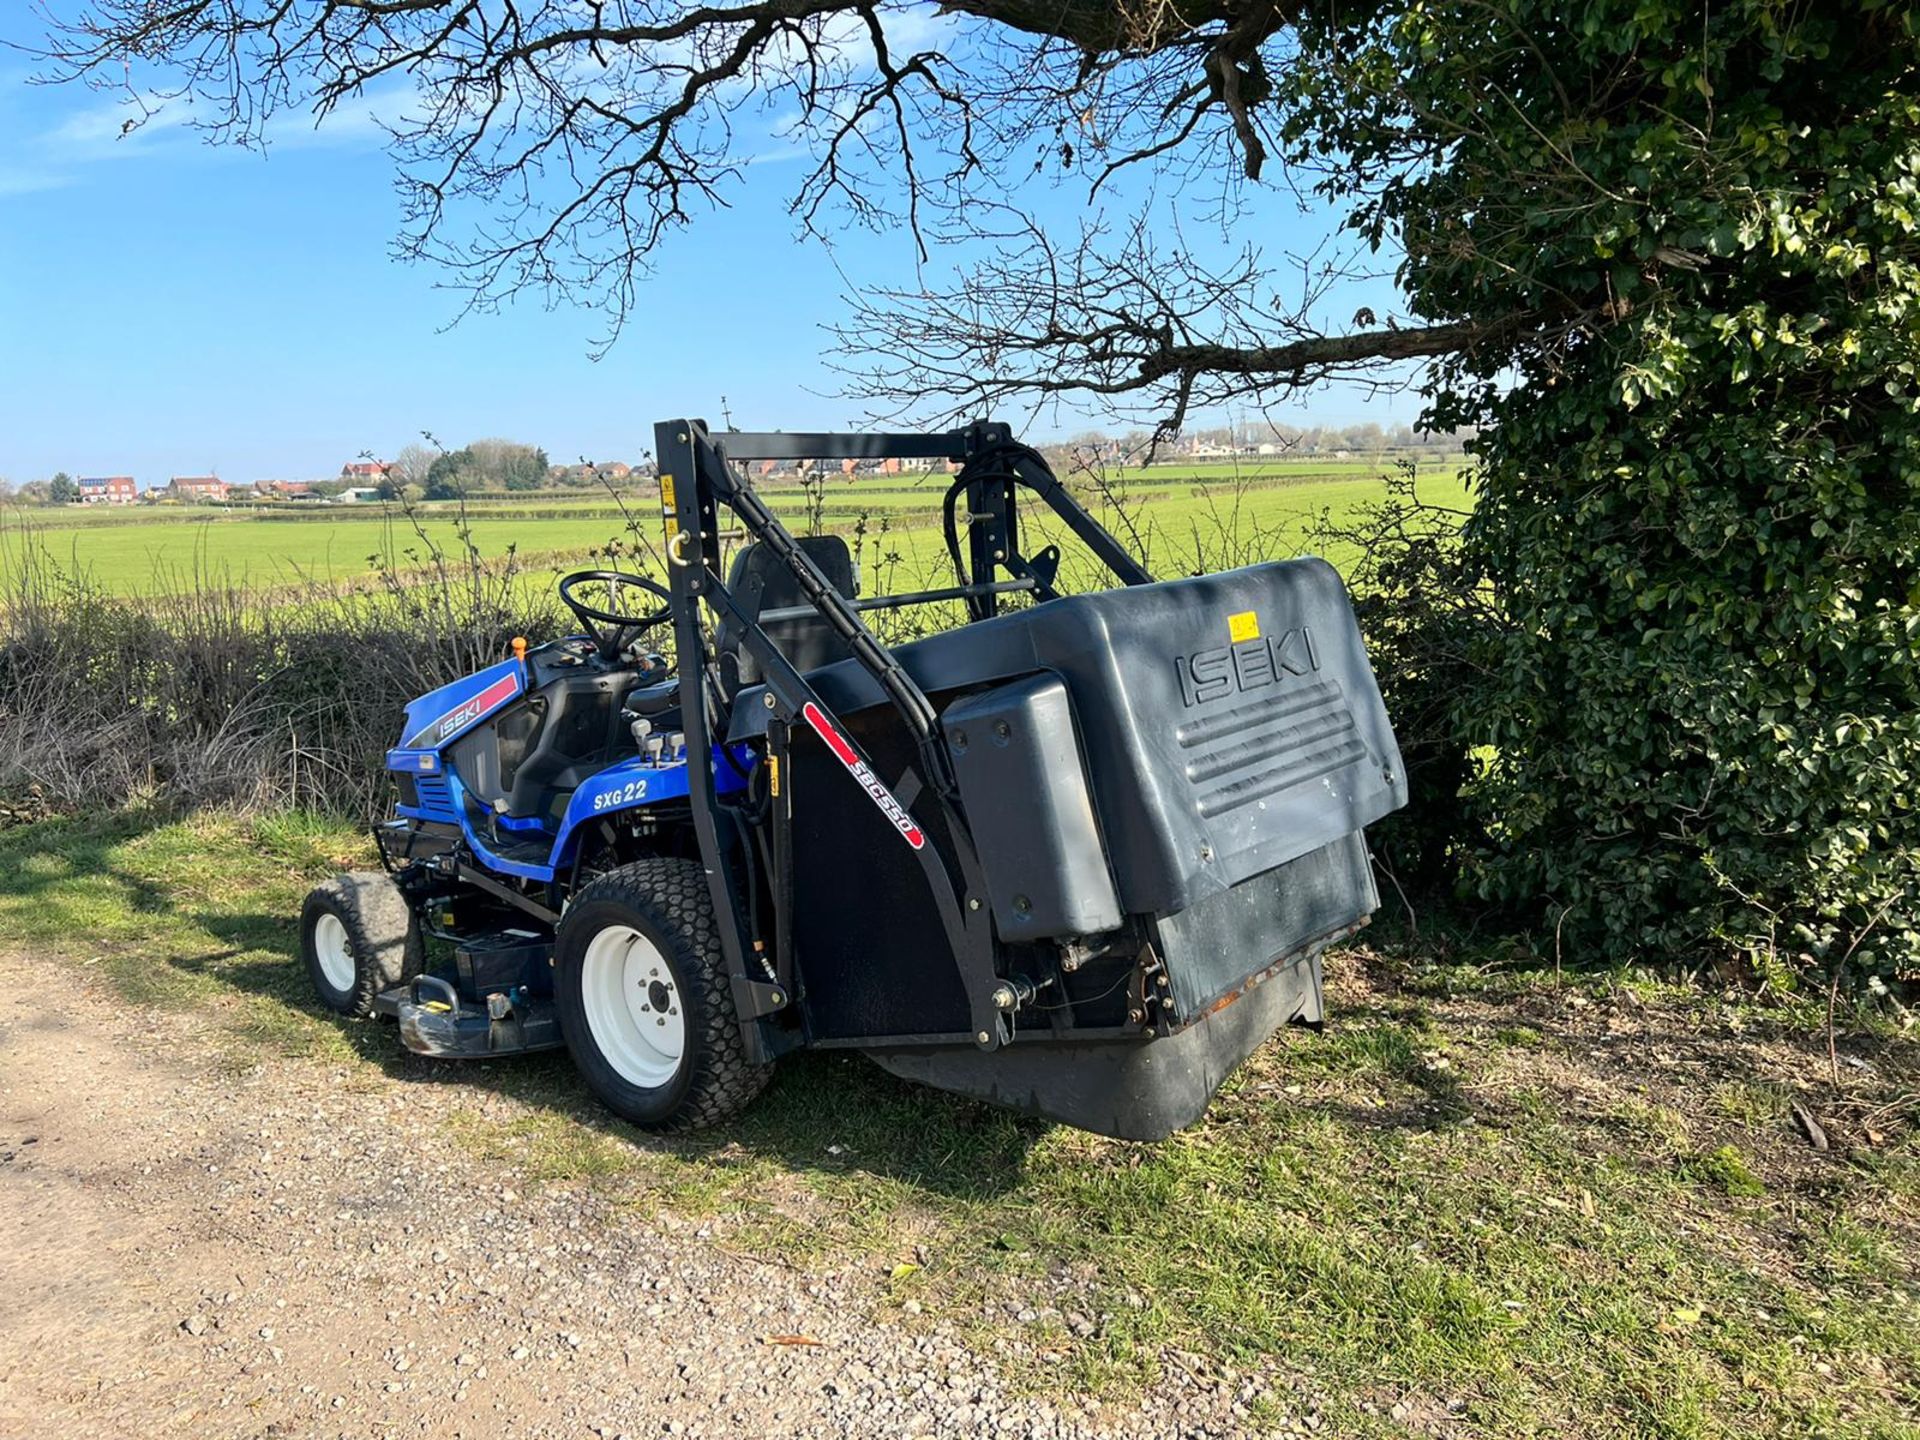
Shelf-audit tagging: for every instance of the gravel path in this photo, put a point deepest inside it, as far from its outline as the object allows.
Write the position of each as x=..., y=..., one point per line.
x=301, y=1250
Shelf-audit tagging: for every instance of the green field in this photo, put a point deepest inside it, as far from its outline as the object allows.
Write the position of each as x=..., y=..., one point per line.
x=1265, y=510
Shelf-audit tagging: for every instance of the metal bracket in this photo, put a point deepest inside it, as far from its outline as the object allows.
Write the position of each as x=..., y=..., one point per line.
x=756, y=998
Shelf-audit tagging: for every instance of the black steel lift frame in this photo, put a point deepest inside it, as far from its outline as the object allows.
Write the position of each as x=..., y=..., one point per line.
x=698, y=478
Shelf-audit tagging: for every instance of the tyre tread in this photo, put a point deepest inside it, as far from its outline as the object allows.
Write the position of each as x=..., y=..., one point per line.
x=675, y=895
x=381, y=934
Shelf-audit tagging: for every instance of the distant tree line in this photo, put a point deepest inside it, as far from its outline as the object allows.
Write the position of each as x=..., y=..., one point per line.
x=428, y=472
x=486, y=465
x=60, y=489
x=1262, y=437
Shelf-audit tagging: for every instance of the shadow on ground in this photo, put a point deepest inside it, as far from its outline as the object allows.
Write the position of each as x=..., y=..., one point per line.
x=824, y=1113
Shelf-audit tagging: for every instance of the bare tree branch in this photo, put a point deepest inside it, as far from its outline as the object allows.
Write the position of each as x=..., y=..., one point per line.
x=551, y=146
x=1135, y=331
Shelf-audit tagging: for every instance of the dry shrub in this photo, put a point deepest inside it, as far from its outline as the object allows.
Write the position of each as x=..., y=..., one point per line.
x=210, y=692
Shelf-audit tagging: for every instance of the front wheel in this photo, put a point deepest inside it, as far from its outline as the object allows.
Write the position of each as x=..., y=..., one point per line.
x=640, y=982
x=358, y=938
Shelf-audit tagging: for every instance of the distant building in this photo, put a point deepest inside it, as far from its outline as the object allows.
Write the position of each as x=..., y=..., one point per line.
x=359, y=493
x=197, y=487
x=285, y=489
x=109, y=490
x=364, y=470
x=618, y=470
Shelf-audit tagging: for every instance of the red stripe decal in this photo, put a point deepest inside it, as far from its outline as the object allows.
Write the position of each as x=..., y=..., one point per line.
x=498, y=691
x=502, y=689
x=844, y=752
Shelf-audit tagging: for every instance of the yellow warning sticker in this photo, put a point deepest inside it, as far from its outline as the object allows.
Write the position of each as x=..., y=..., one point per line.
x=667, y=503
x=1244, y=626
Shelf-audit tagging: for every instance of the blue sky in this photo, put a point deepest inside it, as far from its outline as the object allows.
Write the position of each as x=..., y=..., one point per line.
x=167, y=307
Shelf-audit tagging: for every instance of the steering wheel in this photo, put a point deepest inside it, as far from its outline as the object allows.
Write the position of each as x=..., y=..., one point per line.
x=593, y=616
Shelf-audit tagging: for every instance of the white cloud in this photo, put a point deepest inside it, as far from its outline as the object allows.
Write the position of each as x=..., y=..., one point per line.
x=154, y=129
x=107, y=125
x=918, y=27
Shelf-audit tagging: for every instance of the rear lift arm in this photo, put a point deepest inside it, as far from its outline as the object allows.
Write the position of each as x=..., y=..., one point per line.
x=987, y=480
x=695, y=478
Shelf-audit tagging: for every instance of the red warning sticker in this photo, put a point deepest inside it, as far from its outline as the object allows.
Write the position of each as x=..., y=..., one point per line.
x=844, y=752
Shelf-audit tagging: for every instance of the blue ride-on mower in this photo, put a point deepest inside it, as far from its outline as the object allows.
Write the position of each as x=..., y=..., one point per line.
x=1077, y=856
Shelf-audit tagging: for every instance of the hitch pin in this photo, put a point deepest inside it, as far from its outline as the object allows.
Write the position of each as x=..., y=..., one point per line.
x=1015, y=992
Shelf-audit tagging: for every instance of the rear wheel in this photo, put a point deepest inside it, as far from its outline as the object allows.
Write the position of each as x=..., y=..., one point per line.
x=640, y=983
x=358, y=937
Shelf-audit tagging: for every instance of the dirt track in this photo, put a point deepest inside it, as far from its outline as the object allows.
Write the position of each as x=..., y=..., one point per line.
x=187, y=1251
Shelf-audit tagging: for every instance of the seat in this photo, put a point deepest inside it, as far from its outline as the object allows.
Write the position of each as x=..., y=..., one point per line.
x=580, y=732
x=759, y=580
x=655, y=701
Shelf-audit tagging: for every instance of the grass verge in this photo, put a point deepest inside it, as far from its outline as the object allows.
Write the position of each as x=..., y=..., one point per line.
x=1479, y=1204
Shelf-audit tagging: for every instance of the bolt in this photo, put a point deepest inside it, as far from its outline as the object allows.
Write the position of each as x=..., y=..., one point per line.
x=673, y=1010
x=1136, y=1016
x=779, y=998
x=1206, y=852
x=1163, y=982
x=768, y=700
x=973, y=902
x=1022, y=906
x=681, y=436
x=1004, y=998
x=661, y=1021
x=984, y=1038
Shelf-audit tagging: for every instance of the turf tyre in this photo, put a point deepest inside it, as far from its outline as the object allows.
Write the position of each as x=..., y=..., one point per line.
x=670, y=906
x=358, y=937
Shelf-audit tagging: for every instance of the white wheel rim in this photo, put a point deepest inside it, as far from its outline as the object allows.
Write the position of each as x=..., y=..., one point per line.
x=330, y=945
x=634, y=1007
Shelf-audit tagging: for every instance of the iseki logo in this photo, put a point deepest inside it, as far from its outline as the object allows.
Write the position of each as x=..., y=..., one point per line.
x=1251, y=665
x=497, y=693
x=469, y=711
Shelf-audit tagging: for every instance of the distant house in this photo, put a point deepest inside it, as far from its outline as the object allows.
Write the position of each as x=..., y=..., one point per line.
x=285, y=489
x=364, y=470
x=109, y=490
x=197, y=487
x=618, y=470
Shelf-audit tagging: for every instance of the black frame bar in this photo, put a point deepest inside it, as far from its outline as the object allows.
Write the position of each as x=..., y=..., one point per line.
x=854, y=445
x=697, y=479
x=865, y=603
